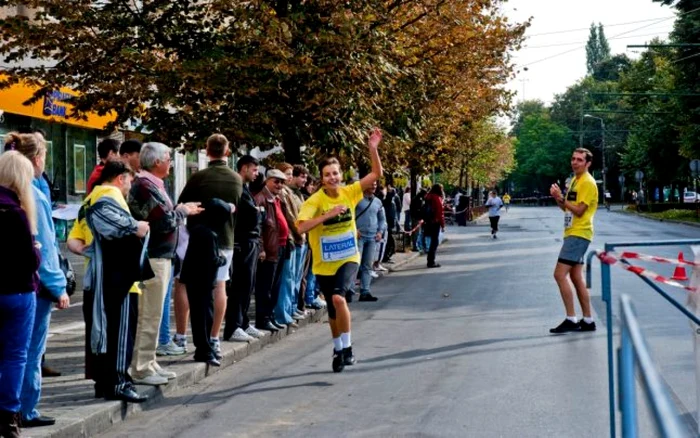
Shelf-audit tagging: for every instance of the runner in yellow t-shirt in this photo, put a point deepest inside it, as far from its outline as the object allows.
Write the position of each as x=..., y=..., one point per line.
x=579, y=206
x=329, y=218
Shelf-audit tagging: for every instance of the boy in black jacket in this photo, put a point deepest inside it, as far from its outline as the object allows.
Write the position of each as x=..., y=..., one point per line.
x=202, y=261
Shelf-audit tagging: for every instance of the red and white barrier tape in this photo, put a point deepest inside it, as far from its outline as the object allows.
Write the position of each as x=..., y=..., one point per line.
x=612, y=259
x=638, y=256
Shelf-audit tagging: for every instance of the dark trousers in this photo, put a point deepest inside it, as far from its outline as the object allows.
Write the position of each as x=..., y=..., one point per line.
x=91, y=368
x=245, y=265
x=390, y=245
x=432, y=231
x=494, y=223
x=201, y=298
x=267, y=288
x=110, y=370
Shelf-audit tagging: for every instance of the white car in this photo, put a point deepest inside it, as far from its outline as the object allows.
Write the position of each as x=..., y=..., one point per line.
x=690, y=197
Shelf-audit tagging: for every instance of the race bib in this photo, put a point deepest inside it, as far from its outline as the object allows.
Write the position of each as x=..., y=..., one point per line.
x=568, y=219
x=338, y=247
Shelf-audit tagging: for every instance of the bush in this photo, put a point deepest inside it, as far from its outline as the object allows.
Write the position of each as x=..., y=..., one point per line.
x=676, y=214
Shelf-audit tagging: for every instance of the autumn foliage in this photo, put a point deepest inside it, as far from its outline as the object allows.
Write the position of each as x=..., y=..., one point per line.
x=312, y=76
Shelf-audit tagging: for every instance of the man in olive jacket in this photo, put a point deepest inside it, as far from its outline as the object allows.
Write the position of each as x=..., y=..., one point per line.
x=216, y=181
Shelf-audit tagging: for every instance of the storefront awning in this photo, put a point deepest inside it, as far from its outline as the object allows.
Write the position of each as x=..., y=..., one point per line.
x=53, y=107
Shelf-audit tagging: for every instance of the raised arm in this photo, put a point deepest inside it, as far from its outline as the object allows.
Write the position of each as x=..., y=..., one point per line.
x=374, y=139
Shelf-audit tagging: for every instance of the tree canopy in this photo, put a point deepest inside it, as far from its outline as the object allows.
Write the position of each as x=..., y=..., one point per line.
x=310, y=76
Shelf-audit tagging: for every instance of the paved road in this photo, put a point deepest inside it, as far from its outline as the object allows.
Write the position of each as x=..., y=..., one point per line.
x=461, y=351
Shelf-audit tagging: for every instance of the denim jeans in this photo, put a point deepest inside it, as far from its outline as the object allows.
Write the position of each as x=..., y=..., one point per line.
x=164, y=331
x=310, y=294
x=284, y=306
x=300, y=257
x=31, y=384
x=17, y=312
x=367, y=244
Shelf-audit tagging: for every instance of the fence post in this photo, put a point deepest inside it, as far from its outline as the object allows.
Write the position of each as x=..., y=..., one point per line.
x=607, y=298
x=628, y=398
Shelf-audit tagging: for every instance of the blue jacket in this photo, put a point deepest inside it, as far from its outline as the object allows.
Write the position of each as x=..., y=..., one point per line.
x=50, y=274
x=373, y=220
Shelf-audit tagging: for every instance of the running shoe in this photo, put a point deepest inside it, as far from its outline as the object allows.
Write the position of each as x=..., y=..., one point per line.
x=565, y=327
x=338, y=361
x=348, y=357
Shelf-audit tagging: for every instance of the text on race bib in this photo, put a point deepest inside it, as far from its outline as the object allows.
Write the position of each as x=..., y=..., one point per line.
x=338, y=247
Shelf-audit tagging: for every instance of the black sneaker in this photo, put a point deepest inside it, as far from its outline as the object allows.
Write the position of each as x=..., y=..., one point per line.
x=348, y=357
x=338, y=361
x=586, y=327
x=367, y=297
x=565, y=327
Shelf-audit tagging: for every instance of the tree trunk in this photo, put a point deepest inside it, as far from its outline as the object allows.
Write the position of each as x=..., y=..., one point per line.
x=292, y=146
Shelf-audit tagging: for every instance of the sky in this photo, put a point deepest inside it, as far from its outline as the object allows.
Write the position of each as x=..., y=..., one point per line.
x=635, y=21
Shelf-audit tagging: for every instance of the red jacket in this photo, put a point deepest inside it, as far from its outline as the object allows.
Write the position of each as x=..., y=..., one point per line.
x=437, y=208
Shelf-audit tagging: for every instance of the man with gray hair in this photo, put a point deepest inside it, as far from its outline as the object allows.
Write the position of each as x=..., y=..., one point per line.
x=149, y=201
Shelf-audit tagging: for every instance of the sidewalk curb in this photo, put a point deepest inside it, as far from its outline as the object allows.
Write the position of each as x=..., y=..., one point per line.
x=673, y=221
x=414, y=255
x=188, y=374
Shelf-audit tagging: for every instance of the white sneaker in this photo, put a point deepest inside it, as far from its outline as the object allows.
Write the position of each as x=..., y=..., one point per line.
x=153, y=380
x=298, y=315
x=240, y=336
x=252, y=331
x=169, y=349
x=381, y=268
x=163, y=372
x=373, y=274
x=320, y=303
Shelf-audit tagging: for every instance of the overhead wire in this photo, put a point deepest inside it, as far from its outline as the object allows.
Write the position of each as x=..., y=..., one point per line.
x=588, y=28
x=611, y=38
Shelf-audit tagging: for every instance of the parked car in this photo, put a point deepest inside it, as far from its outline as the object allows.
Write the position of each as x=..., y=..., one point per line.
x=691, y=197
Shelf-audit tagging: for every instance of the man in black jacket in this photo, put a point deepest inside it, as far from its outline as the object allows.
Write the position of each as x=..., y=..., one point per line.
x=246, y=252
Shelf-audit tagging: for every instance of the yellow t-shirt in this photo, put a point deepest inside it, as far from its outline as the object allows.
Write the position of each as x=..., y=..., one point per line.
x=506, y=199
x=81, y=230
x=334, y=242
x=581, y=190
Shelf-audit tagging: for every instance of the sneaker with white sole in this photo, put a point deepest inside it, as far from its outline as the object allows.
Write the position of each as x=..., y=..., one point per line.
x=163, y=372
x=381, y=268
x=240, y=336
x=216, y=348
x=170, y=349
x=252, y=331
x=152, y=380
x=180, y=341
x=320, y=303
x=373, y=274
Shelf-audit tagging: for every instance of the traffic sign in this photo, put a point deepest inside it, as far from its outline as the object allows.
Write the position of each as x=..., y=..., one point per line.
x=621, y=178
x=639, y=175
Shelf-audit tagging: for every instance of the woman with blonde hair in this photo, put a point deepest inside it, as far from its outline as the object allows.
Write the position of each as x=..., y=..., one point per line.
x=52, y=280
x=18, y=267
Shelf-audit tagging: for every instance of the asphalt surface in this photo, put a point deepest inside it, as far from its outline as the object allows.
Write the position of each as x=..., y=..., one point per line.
x=460, y=351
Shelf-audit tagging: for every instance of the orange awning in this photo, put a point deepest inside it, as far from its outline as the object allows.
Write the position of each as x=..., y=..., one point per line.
x=52, y=107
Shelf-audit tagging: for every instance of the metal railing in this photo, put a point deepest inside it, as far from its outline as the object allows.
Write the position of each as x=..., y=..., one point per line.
x=608, y=299
x=633, y=352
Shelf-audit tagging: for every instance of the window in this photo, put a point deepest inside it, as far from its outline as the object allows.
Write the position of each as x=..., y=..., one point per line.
x=79, y=169
x=49, y=161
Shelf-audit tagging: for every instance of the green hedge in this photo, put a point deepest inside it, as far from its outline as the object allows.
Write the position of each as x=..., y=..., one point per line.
x=660, y=207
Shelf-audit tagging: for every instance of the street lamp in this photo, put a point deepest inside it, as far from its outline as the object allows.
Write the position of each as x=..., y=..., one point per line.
x=602, y=148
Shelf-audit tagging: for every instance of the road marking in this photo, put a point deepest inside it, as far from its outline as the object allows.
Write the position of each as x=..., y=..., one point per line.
x=66, y=328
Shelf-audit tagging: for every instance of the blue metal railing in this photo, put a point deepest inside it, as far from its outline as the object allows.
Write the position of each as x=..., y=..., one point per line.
x=607, y=298
x=634, y=351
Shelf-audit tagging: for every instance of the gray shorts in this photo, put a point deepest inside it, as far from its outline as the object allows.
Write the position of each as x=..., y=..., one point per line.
x=573, y=250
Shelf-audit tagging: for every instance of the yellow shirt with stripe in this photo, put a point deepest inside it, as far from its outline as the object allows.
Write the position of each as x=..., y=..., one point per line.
x=334, y=242
x=582, y=189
